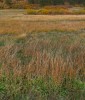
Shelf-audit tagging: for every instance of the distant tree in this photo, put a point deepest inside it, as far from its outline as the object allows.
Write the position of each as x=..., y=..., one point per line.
x=8, y=2
x=42, y=2
x=77, y=1
x=82, y=2
x=55, y=2
x=31, y=1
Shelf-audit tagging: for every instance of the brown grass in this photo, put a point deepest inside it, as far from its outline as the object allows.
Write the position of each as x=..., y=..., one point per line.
x=20, y=26
x=25, y=24
x=57, y=50
x=14, y=21
x=17, y=57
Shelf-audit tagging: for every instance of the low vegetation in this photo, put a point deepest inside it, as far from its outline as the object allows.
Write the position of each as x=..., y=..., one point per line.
x=48, y=11
x=42, y=57
x=55, y=11
x=43, y=66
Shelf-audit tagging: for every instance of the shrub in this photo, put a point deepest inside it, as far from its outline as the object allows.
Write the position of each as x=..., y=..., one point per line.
x=8, y=2
x=31, y=11
x=79, y=11
x=3, y=5
x=48, y=11
x=20, y=5
x=24, y=5
x=32, y=6
x=54, y=11
x=44, y=11
x=60, y=11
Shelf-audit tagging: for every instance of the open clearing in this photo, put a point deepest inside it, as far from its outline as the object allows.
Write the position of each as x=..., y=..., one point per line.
x=42, y=57
x=15, y=21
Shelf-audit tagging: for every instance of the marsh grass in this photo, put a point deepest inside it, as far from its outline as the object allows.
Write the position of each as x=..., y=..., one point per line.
x=43, y=66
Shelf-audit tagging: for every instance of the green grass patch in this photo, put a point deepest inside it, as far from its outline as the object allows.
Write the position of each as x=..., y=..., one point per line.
x=2, y=43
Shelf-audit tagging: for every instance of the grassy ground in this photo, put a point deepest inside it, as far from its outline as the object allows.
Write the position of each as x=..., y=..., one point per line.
x=42, y=57
x=14, y=21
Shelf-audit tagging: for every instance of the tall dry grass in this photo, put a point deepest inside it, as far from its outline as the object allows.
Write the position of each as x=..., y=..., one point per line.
x=14, y=21
x=20, y=27
x=42, y=58
x=26, y=61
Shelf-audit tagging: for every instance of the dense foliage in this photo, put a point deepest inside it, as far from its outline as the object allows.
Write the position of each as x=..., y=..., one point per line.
x=51, y=2
x=8, y=2
x=56, y=2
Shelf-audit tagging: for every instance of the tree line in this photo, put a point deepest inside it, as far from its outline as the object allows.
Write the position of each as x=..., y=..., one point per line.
x=56, y=2
x=51, y=2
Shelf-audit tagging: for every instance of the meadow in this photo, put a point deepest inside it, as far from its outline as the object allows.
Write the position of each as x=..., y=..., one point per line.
x=42, y=57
